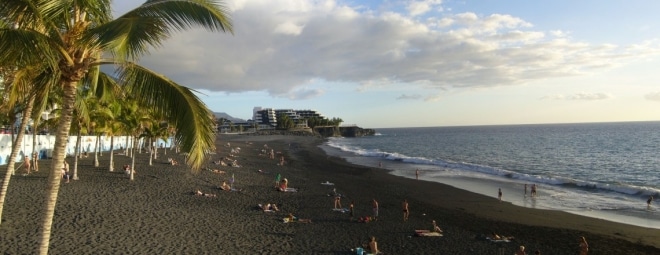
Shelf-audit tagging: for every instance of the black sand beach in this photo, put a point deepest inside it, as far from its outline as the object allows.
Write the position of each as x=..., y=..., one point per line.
x=105, y=213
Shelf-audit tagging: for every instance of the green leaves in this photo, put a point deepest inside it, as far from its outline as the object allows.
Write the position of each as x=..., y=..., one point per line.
x=180, y=107
x=131, y=35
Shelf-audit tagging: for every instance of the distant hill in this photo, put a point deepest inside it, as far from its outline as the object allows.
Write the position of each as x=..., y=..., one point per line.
x=227, y=116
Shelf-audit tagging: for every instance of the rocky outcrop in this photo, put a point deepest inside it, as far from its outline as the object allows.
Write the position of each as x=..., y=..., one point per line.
x=353, y=131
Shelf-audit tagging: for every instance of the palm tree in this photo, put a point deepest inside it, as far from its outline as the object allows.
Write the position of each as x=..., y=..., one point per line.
x=18, y=81
x=76, y=33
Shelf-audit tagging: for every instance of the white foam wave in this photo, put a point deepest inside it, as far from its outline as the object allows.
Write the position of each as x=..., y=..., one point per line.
x=466, y=167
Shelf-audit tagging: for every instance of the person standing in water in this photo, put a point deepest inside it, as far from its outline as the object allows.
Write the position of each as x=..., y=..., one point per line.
x=649, y=201
x=417, y=174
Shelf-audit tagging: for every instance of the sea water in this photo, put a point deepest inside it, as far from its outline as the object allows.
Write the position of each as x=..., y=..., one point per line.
x=602, y=170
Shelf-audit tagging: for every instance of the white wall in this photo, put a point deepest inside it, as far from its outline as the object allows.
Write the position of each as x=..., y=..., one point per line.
x=45, y=145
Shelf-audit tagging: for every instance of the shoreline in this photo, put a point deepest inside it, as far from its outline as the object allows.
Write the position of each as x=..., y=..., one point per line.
x=105, y=213
x=513, y=190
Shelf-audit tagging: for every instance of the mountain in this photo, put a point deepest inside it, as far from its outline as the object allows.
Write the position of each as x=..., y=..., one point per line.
x=227, y=116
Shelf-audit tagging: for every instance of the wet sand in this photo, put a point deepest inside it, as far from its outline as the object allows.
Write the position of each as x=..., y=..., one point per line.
x=105, y=213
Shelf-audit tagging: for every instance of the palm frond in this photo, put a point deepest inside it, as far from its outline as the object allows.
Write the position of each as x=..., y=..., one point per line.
x=27, y=48
x=94, y=11
x=19, y=13
x=131, y=35
x=180, y=107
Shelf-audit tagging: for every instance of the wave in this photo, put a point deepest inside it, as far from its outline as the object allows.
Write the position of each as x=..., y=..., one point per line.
x=463, y=167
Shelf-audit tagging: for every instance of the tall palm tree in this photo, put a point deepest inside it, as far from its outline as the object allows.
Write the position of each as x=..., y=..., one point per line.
x=77, y=32
x=16, y=88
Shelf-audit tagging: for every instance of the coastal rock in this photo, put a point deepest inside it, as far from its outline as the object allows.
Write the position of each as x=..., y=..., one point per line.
x=349, y=131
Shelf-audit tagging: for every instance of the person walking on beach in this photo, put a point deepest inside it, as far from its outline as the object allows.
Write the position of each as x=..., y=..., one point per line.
x=351, y=211
x=649, y=201
x=374, y=207
x=65, y=171
x=406, y=210
x=27, y=164
x=499, y=194
x=337, y=201
x=533, y=193
x=584, y=246
x=417, y=174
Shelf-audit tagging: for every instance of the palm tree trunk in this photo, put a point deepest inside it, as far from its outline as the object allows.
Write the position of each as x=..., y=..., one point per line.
x=96, y=151
x=135, y=141
x=76, y=155
x=35, y=155
x=55, y=177
x=155, y=146
x=16, y=145
x=152, y=151
x=112, y=154
x=126, y=149
x=101, y=145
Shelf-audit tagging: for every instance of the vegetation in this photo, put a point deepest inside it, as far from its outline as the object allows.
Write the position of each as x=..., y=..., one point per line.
x=53, y=50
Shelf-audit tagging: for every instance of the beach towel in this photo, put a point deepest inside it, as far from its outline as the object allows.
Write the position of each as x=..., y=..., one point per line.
x=498, y=240
x=327, y=183
x=341, y=210
x=427, y=233
x=289, y=190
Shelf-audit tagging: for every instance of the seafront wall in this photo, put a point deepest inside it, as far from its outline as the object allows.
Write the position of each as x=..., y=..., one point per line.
x=44, y=145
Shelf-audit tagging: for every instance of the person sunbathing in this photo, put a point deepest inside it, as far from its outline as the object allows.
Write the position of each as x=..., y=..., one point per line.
x=495, y=236
x=292, y=218
x=218, y=171
x=225, y=186
x=270, y=207
x=200, y=193
x=373, y=246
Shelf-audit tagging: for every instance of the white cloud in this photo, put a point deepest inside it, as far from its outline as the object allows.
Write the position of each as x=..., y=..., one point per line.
x=416, y=8
x=409, y=97
x=653, y=96
x=289, y=28
x=280, y=45
x=580, y=96
x=304, y=93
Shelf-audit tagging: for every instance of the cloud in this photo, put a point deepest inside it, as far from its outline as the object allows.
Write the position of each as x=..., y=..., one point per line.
x=580, y=96
x=280, y=45
x=654, y=96
x=409, y=97
x=416, y=8
x=304, y=93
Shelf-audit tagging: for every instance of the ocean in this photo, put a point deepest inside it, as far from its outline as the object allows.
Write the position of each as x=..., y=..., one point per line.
x=601, y=170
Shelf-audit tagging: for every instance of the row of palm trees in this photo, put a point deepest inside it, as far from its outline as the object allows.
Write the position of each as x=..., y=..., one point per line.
x=51, y=53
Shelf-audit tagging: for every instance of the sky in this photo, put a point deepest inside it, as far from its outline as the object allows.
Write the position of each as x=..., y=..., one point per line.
x=424, y=63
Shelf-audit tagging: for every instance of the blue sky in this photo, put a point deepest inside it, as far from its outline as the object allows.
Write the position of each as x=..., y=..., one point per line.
x=421, y=63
